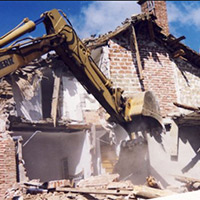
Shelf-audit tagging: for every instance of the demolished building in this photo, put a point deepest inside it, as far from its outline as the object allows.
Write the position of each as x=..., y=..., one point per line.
x=143, y=56
x=49, y=133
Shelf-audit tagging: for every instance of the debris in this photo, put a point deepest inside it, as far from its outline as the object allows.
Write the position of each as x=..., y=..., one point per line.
x=95, y=191
x=183, y=196
x=122, y=184
x=152, y=182
x=102, y=187
x=148, y=192
x=190, y=183
x=58, y=183
x=192, y=108
x=101, y=181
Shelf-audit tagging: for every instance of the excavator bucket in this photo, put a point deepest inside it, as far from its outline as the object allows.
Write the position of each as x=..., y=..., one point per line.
x=143, y=104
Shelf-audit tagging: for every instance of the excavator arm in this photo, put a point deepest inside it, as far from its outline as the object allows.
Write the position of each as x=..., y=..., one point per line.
x=76, y=56
x=62, y=38
x=16, y=56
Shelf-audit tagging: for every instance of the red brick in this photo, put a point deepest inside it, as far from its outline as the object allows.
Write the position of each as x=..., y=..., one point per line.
x=7, y=166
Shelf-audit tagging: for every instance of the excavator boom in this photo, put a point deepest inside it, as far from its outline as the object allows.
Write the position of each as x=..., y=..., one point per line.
x=62, y=38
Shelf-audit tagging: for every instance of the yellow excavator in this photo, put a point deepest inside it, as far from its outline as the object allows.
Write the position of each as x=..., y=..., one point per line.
x=61, y=37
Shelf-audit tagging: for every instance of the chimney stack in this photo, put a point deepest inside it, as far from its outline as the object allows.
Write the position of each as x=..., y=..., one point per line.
x=159, y=9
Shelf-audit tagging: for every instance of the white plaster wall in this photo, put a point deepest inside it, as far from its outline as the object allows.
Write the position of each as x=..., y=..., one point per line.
x=71, y=102
x=90, y=103
x=155, y=158
x=188, y=81
x=101, y=57
x=104, y=63
x=28, y=99
x=164, y=167
x=45, y=152
x=85, y=157
x=75, y=100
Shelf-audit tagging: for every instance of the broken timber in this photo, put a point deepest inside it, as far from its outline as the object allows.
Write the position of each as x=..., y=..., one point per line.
x=176, y=40
x=55, y=96
x=147, y=192
x=151, y=31
x=137, y=53
x=178, y=53
x=45, y=125
x=174, y=139
x=192, y=108
x=95, y=191
x=140, y=191
x=185, y=179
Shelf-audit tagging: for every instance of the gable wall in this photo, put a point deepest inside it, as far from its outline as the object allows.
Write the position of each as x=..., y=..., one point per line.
x=188, y=79
x=123, y=72
x=158, y=68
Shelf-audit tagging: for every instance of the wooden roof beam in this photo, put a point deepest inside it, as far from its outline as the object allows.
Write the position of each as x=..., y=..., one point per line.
x=55, y=96
x=138, y=58
x=192, y=108
x=178, y=53
x=151, y=30
x=175, y=41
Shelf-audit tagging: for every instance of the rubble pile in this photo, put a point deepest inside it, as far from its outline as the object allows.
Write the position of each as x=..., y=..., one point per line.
x=95, y=187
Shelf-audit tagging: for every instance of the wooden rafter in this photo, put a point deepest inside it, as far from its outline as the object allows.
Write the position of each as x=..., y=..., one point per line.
x=55, y=95
x=175, y=41
x=151, y=30
x=178, y=53
x=188, y=107
x=133, y=36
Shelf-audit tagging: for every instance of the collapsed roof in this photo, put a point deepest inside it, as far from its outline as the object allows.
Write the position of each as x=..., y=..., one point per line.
x=147, y=21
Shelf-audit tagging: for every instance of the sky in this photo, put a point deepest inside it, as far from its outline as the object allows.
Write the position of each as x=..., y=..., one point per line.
x=99, y=17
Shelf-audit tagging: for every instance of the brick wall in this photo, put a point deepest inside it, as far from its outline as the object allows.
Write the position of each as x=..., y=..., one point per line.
x=188, y=80
x=123, y=72
x=159, y=74
x=7, y=146
x=159, y=71
x=7, y=163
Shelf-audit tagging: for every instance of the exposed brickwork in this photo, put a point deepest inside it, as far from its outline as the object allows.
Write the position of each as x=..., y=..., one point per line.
x=7, y=163
x=160, y=11
x=123, y=72
x=159, y=71
x=188, y=79
x=7, y=146
x=159, y=74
